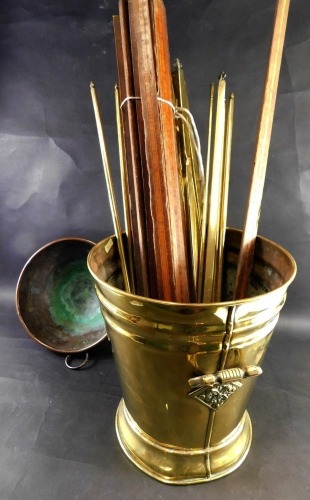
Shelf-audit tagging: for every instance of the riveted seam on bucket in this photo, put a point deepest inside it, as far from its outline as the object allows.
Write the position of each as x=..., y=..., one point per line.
x=230, y=325
x=230, y=321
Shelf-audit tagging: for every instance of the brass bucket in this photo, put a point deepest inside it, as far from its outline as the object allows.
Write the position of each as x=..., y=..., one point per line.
x=187, y=370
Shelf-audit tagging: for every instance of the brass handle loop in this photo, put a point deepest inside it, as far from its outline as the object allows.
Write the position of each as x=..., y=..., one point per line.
x=227, y=375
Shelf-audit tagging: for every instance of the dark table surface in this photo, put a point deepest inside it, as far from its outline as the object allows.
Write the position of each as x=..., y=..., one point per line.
x=57, y=435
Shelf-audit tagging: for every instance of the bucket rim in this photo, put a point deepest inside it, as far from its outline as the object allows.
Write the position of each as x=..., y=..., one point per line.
x=228, y=303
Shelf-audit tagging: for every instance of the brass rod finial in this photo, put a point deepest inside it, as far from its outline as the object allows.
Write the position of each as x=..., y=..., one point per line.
x=177, y=64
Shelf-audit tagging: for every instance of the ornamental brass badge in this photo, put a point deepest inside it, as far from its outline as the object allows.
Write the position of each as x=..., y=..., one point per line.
x=216, y=395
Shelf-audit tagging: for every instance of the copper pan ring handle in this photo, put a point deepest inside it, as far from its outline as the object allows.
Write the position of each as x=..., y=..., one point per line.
x=69, y=358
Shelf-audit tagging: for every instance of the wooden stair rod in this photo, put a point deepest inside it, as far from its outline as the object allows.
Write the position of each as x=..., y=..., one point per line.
x=134, y=176
x=163, y=209
x=171, y=161
x=261, y=151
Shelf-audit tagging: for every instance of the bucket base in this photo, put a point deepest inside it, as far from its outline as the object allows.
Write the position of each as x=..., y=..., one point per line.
x=175, y=465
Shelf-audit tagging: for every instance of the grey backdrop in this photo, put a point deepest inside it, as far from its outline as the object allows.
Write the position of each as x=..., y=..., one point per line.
x=57, y=434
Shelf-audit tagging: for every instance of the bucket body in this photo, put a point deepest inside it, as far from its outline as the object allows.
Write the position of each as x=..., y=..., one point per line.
x=187, y=370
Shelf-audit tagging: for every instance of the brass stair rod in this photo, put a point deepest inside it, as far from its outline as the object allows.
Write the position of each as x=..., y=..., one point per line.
x=110, y=187
x=215, y=196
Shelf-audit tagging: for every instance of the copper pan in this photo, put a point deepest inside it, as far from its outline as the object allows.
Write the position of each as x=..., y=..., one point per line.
x=56, y=301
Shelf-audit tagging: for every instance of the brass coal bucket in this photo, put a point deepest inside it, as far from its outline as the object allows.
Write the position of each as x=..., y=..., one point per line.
x=187, y=370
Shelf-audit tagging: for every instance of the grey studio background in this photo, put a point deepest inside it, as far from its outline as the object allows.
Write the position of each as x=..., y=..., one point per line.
x=57, y=437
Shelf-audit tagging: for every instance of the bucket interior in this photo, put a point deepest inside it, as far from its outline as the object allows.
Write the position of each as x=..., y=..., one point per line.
x=273, y=265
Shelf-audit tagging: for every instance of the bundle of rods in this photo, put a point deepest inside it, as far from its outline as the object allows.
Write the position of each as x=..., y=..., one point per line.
x=175, y=207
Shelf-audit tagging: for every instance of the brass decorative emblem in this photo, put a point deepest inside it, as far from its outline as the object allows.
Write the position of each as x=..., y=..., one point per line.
x=216, y=395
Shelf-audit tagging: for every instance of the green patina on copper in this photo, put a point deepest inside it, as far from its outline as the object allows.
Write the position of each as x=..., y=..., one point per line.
x=73, y=302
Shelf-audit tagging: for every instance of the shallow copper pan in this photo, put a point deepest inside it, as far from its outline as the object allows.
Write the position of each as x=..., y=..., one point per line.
x=55, y=298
